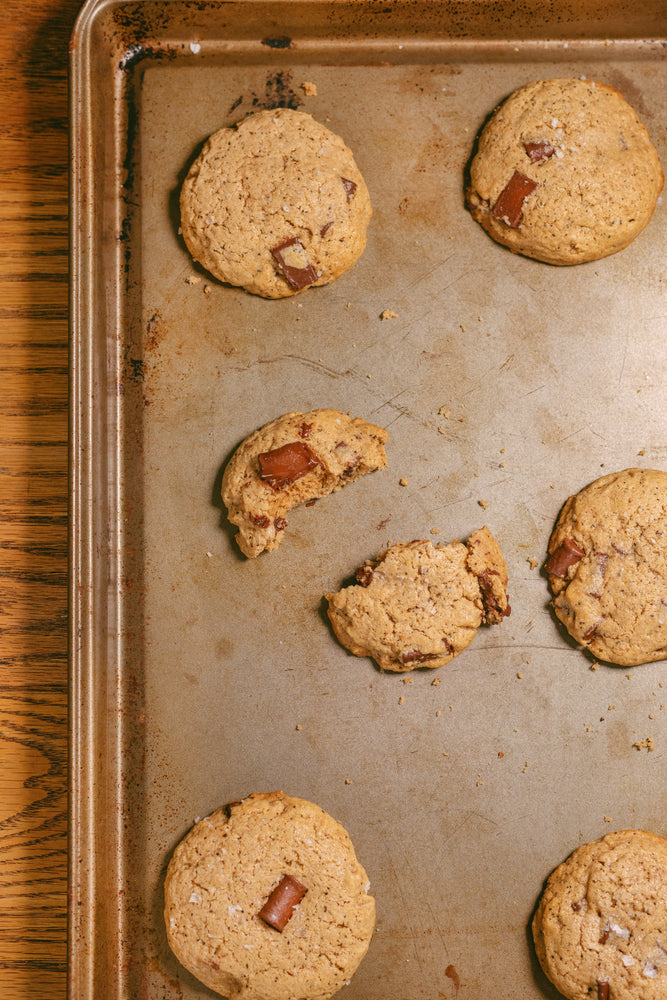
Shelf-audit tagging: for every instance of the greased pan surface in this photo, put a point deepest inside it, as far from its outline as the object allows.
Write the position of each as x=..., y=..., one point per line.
x=505, y=384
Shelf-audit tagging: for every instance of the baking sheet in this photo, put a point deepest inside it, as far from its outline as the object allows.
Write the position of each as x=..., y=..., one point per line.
x=505, y=384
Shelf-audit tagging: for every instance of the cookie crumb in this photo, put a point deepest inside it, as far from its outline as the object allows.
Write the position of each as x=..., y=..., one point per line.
x=519, y=675
x=435, y=682
x=298, y=726
x=607, y=819
x=441, y=430
x=388, y=314
x=207, y=289
x=526, y=766
x=533, y=563
x=403, y=482
x=500, y=753
x=483, y=504
x=309, y=89
x=435, y=531
x=401, y=700
x=408, y=680
x=646, y=744
x=193, y=279
x=438, y=713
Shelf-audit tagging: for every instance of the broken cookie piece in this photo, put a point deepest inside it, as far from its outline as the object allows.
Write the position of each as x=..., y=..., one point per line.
x=420, y=604
x=294, y=460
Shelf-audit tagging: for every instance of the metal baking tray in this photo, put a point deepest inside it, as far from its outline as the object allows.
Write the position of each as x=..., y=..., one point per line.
x=199, y=676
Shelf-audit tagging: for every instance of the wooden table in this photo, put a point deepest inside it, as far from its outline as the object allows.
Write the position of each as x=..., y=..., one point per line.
x=34, y=37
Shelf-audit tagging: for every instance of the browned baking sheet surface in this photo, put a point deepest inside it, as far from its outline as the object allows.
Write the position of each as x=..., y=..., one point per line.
x=505, y=384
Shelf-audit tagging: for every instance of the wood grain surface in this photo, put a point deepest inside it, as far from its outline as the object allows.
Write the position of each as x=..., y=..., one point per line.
x=34, y=37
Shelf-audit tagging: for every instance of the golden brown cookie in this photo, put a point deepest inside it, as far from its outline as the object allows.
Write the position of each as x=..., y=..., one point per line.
x=419, y=604
x=607, y=566
x=600, y=929
x=296, y=458
x=564, y=172
x=275, y=204
x=265, y=898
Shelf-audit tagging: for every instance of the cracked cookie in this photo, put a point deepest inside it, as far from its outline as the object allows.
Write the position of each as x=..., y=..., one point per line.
x=266, y=898
x=607, y=566
x=600, y=929
x=564, y=172
x=291, y=460
x=420, y=604
x=275, y=204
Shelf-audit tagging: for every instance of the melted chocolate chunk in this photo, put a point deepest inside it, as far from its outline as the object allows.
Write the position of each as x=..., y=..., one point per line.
x=603, y=989
x=283, y=466
x=325, y=228
x=280, y=905
x=416, y=656
x=294, y=264
x=261, y=520
x=363, y=576
x=509, y=206
x=537, y=151
x=567, y=554
x=350, y=188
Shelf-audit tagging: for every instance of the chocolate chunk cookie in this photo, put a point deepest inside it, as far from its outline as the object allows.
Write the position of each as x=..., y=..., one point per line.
x=564, y=172
x=266, y=898
x=607, y=566
x=600, y=929
x=419, y=604
x=296, y=458
x=276, y=204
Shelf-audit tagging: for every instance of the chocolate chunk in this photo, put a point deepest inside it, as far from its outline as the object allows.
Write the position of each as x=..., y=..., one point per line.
x=280, y=524
x=305, y=429
x=280, y=905
x=325, y=228
x=294, y=264
x=603, y=989
x=537, y=151
x=509, y=205
x=567, y=554
x=261, y=520
x=283, y=466
x=350, y=188
x=364, y=575
x=416, y=656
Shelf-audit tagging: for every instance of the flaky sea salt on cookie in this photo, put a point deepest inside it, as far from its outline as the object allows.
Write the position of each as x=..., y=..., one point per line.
x=265, y=900
x=564, y=172
x=607, y=566
x=600, y=929
x=419, y=604
x=275, y=205
x=296, y=458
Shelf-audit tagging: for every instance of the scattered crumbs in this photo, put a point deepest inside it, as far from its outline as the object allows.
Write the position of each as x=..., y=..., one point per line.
x=478, y=783
x=519, y=675
x=445, y=753
x=629, y=676
x=502, y=451
x=607, y=819
x=298, y=726
x=388, y=314
x=526, y=766
x=642, y=451
x=533, y=563
x=451, y=708
x=193, y=279
x=435, y=682
x=309, y=89
x=500, y=753
x=595, y=665
x=502, y=465
x=369, y=376
x=441, y=430
x=442, y=412
x=207, y=289
x=651, y=715
x=408, y=680
x=646, y=744
x=401, y=700
x=348, y=781
x=435, y=531
x=479, y=319
x=403, y=482
x=610, y=708
x=438, y=713
x=483, y=504
x=589, y=729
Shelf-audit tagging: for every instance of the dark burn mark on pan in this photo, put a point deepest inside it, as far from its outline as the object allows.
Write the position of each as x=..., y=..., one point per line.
x=281, y=42
x=278, y=93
